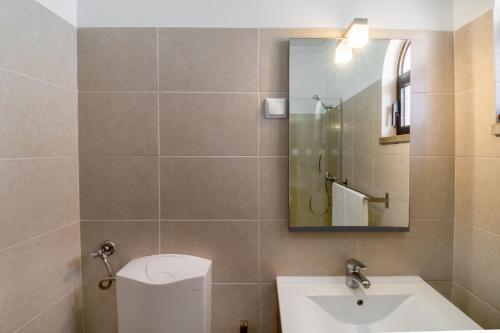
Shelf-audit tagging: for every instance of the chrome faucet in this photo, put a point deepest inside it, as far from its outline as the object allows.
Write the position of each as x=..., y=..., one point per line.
x=353, y=276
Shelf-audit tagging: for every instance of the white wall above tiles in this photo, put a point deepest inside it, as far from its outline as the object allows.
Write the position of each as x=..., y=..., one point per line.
x=389, y=14
x=67, y=9
x=465, y=11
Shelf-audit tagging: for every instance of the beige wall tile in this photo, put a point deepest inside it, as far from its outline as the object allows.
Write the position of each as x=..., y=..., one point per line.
x=273, y=132
x=432, y=67
x=274, y=54
x=363, y=173
x=38, y=273
x=348, y=138
x=47, y=43
x=294, y=253
x=274, y=187
x=476, y=266
x=433, y=124
x=392, y=175
x=481, y=312
x=432, y=183
x=122, y=59
x=209, y=124
x=347, y=168
x=232, y=303
x=233, y=246
x=398, y=214
x=64, y=316
x=100, y=309
x=474, y=53
x=37, y=195
x=363, y=105
x=269, y=308
x=477, y=199
x=443, y=287
x=475, y=113
x=45, y=124
x=118, y=188
x=133, y=239
x=209, y=188
x=118, y=123
x=197, y=59
x=427, y=251
x=395, y=149
x=363, y=137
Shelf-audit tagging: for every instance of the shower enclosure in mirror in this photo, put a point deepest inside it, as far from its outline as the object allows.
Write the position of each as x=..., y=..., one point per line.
x=350, y=120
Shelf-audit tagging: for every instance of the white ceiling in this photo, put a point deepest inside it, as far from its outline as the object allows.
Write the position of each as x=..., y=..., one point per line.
x=67, y=9
x=390, y=14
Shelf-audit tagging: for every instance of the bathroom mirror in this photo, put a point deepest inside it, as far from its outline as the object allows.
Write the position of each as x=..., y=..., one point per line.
x=349, y=135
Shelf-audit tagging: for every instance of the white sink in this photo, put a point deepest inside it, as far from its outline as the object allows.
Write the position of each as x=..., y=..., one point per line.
x=391, y=304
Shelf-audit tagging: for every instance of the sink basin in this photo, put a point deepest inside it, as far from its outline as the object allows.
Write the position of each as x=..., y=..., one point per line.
x=391, y=304
x=359, y=311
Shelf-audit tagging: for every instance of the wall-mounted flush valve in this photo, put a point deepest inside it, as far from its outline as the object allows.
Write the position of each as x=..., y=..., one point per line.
x=105, y=250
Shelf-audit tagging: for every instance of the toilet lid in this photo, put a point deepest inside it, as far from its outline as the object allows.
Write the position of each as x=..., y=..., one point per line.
x=165, y=269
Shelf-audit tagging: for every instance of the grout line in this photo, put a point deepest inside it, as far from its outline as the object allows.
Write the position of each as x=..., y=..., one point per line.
x=38, y=236
x=111, y=220
x=27, y=76
x=176, y=92
x=431, y=93
x=444, y=220
x=220, y=156
x=493, y=233
x=259, y=206
x=210, y=220
x=158, y=133
x=163, y=92
x=180, y=220
x=476, y=295
x=236, y=283
x=207, y=92
x=176, y=156
x=37, y=157
x=479, y=157
x=118, y=91
x=482, y=85
x=435, y=156
x=44, y=310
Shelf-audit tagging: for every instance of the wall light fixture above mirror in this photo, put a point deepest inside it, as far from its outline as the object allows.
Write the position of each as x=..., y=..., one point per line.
x=356, y=37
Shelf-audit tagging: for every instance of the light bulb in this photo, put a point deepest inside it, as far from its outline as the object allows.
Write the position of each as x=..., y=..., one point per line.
x=358, y=33
x=343, y=52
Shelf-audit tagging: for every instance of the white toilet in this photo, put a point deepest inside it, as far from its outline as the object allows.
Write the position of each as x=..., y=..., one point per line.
x=167, y=293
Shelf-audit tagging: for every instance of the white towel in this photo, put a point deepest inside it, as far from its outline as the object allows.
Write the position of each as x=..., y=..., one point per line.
x=337, y=204
x=349, y=207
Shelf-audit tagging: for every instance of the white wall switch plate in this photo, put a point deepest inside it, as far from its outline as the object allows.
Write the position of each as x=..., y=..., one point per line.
x=276, y=108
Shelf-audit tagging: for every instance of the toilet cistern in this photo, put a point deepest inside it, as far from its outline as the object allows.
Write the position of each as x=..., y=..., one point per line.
x=353, y=276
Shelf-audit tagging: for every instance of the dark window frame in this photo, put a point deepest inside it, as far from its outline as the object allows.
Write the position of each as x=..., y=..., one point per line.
x=403, y=81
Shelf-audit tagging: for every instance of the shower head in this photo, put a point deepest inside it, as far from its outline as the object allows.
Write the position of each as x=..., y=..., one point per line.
x=326, y=107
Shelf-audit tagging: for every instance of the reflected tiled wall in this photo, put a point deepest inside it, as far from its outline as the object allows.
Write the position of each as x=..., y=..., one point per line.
x=373, y=168
x=175, y=156
x=40, y=280
x=477, y=241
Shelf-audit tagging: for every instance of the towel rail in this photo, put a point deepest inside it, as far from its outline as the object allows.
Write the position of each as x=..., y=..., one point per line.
x=368, y=197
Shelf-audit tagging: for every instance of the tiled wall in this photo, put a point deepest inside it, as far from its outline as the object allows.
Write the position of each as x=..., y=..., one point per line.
x=175, y=156
x=371, y=167
x=476, y=287
x=40, y=281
